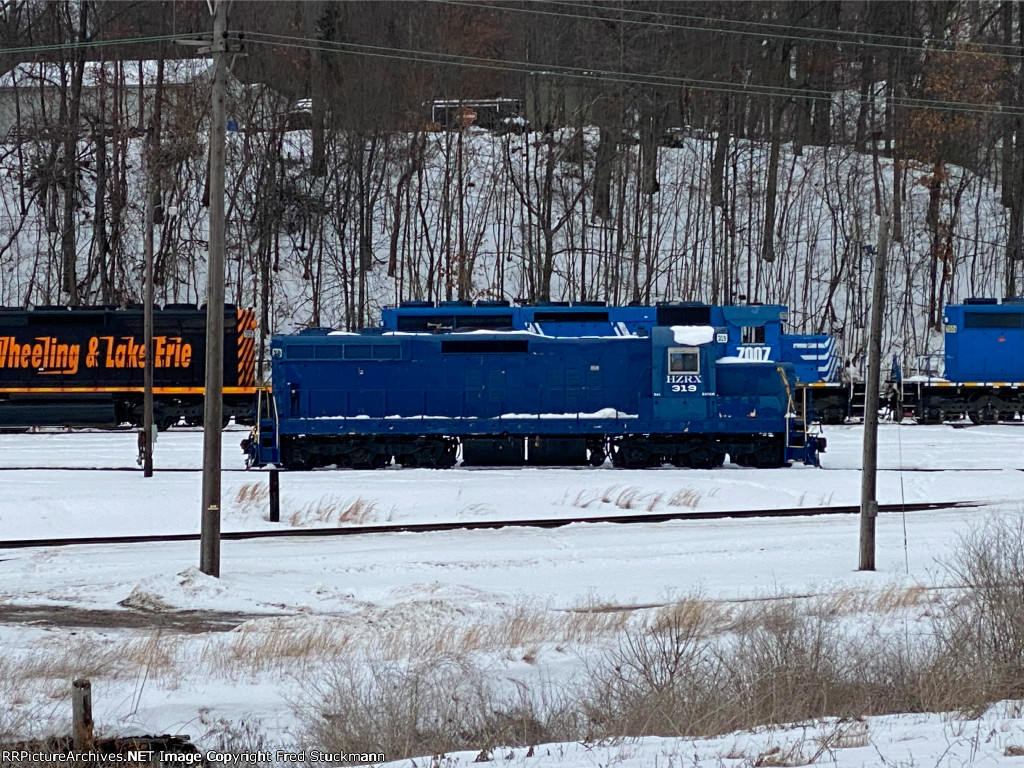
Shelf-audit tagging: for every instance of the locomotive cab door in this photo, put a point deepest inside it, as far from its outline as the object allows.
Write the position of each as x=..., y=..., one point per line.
x=683, y=372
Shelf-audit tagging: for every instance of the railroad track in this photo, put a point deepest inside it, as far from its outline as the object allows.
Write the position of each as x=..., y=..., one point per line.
x=165, y=470
x=489, y=525
x=256, y=473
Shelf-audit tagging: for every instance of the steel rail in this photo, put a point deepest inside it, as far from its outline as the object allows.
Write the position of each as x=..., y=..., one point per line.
x=489, y=525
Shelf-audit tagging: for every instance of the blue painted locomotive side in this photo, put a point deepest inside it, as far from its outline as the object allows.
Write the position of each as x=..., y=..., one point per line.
x=477, y=377
x=983, y=376
x=984, y=342
x=512, y=397
x=752, y=332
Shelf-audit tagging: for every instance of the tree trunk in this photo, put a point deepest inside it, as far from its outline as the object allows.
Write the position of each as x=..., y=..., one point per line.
x=772, y=188
x=602, y=208
x=69, y=254
x=718, y=161
x=932, y=220
x=1013, y=166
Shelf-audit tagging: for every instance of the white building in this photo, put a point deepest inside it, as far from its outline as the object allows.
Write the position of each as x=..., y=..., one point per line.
x=112, y=92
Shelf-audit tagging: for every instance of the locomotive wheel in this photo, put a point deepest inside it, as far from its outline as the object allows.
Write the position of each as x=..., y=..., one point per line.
x=296, y=457
x=407, y=460
x=443, y=459
x=431, y=454
x=366, y=458
x=764, y=461
x=832, y=416
x=983, y=416
x=414, y=461
x=164, y=421
x=707, y=458
x=358, y=459
x=760, y=454
x=597, y=451
x=446, y=459
x=632, y=456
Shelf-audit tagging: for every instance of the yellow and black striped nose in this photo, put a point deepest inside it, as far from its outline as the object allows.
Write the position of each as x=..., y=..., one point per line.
x=246, y=347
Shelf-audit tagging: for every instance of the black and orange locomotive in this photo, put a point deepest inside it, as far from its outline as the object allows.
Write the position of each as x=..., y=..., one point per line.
x=83, y=366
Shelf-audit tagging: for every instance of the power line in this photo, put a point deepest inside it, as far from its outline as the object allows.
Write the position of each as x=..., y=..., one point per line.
x=600, y=75
x=505, y=65
x=626, y=15
x=124, y=41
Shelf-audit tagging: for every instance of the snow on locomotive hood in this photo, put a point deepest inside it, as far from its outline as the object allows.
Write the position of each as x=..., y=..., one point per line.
x=693, y=335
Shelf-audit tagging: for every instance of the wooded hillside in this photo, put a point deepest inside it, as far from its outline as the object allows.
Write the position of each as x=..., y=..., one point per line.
x=716, y=151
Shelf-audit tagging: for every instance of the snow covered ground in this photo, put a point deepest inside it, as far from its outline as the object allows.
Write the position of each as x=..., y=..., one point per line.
x=414, y=584
x=900, y=741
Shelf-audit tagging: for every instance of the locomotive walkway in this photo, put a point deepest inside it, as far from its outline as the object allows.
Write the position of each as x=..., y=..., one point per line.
x=486, y=525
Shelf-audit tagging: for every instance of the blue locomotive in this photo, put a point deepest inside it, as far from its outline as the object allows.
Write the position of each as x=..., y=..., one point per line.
x=753, y=332
x=662, y=390
x=983, y=372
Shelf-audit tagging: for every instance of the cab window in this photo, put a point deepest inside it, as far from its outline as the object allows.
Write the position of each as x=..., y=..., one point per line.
x=752, y=334
x=683, y=360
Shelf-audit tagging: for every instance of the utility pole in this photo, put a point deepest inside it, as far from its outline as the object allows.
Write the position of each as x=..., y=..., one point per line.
x=868, y=497
x=147, y=323
x=213, y=401
x=152, y=146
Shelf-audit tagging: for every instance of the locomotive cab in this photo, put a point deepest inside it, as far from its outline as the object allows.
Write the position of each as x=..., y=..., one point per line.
x=683, y=371
x=694, y=379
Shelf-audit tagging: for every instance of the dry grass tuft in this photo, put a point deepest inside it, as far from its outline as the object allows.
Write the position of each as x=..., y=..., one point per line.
x=609, y=494
x=628, y=498
x=331, y=509
x=92, y=656
x=691, y=612
x=358, y=512
x=651, y=501
x=279, y=645
x=896, y=598
x=623, y=498
x=686, y=497
x=427, y=706
x=810, y=750
x=592, y=621
x=252, y=500
x=252, y=493
x=586, y=499
x=25, y=701
x=474, y=510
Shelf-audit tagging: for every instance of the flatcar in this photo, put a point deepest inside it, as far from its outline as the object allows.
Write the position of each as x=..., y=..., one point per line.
x=513, y=397
x=752, y=331
x=83, y=366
